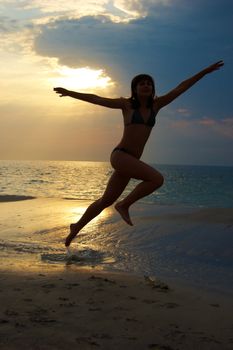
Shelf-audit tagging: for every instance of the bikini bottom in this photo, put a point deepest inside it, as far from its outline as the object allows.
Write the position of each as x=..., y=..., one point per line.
x=121, y=149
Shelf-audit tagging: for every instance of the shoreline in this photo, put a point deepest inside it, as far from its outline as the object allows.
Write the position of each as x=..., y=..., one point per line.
x=37, y=238
x=95, y=309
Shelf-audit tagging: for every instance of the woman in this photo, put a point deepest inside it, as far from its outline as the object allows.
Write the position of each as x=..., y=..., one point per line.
x=139, y=114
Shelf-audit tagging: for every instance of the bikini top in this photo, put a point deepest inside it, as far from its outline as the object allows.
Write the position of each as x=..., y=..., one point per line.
x=138, y=119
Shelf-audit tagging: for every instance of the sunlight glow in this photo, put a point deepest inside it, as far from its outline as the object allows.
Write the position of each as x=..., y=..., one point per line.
x=76, y=212
x=81, y=78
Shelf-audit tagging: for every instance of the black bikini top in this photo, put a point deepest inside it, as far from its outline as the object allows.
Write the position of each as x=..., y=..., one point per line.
x=138, y=119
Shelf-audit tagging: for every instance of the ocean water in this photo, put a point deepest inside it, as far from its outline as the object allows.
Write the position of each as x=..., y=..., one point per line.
x=182, y=231
x=196, y=186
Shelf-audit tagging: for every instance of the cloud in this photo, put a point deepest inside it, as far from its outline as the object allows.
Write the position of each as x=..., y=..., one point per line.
x=8, y=24
x=205, y=140
x=96, y=41
x=78, y=8
x=184, y=112
x=58, y=6
x=100, y=42
x=139, y=8
x=169, y=39
x=21, y=20
x=78, y=38
x=221, y=127
x=16, y=31
x=207, y=121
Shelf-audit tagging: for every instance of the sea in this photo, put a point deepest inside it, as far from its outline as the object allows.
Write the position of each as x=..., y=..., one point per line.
x=166, y=240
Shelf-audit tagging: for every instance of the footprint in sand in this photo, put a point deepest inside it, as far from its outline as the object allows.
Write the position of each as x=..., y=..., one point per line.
x=160, y=347
x=49, y=285
x=2, y=321
x=150, y=301
x=27, y=299
x=169, y=305
x=87, y=340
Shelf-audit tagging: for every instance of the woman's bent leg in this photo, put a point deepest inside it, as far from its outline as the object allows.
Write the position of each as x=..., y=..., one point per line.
x=115, y=187
x=132, y=167
x=141, y=190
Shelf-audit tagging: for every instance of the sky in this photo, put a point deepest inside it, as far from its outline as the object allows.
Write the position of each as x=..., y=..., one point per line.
x=98, y=47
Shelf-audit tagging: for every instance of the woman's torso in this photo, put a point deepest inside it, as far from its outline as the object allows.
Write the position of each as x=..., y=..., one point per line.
x=137, y=131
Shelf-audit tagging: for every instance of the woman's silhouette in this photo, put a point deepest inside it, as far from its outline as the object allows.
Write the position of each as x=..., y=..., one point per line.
x=139, y=112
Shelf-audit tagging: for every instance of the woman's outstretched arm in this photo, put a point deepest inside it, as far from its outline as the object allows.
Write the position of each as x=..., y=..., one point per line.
x=186, y=84
x=117, y=103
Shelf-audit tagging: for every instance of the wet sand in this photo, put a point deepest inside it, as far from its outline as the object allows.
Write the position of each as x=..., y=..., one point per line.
x=45, y=306
x=97, y=310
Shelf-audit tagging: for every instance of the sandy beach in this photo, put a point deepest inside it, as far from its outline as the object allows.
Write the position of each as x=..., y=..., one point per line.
x=90, y=310
x=60, y=305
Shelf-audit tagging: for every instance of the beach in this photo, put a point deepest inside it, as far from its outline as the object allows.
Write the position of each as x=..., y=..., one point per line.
x=88, y=310
x=86, y=300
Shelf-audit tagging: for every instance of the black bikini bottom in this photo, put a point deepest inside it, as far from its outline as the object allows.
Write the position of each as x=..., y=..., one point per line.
x=121, y=149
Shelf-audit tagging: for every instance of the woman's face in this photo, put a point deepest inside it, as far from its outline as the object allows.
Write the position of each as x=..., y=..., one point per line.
x=144, y=88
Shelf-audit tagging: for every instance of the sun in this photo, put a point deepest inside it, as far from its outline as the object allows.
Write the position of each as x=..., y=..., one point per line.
x=81, y=78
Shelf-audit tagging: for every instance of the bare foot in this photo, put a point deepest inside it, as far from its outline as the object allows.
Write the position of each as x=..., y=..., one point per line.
x=73, y=233
x=124, y=212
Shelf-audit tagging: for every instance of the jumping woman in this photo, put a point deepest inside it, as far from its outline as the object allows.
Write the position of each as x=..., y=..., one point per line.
x=139, y=113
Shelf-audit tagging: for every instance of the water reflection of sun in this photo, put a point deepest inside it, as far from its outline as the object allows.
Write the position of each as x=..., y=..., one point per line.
x=76, y=212
x=81, y=78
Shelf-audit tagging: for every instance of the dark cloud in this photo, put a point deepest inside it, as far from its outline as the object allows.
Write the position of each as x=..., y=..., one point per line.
x=122, y=49
x=101, y=43
x=96, y=42
x=171, y=46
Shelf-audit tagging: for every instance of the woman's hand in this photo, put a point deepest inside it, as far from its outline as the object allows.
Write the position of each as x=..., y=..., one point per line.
x=186, y=84
x=214, y=67
x=62, y=92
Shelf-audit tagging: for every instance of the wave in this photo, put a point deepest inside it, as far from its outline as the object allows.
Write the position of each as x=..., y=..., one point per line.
x=14, y=198
x=82, y=256
x=24, y=247
x=77, y=199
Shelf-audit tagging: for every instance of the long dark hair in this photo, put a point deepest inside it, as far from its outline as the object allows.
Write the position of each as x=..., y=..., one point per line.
x=134, y=99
